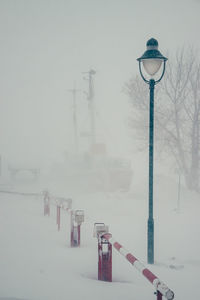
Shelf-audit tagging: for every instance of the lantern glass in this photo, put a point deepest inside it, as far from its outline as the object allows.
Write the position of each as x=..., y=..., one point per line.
x=152, y=65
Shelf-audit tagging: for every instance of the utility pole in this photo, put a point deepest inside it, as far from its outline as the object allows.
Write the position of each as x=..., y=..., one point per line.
x=91, y=105
x=74, y=92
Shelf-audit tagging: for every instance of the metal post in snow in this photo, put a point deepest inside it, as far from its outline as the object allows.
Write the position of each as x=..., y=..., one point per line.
x=79, y=234
x=58, y=217
x=77, y=218
x=44, y=207
x=48, y=208
x=75, y=236
x=104, y=260
x=46, y=204
x=72, y=229
x=104, y=253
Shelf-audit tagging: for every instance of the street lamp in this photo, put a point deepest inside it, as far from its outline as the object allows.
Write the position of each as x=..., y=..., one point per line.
x=151, y=60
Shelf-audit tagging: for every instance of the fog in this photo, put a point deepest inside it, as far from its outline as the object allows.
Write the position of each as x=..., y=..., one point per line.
x=47, y=45
x=47, y=48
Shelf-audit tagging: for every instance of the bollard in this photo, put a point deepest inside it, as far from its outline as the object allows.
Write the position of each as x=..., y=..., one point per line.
x=105, y=260
x=48, y=207
x=58, y=217
x=46, y=204
x=104, y=253
x=77, y=218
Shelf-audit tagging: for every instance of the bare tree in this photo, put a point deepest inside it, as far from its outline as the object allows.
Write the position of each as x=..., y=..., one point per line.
x=177, y=113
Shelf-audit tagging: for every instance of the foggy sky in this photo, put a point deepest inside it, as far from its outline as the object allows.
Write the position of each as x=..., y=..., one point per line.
x=45, y=47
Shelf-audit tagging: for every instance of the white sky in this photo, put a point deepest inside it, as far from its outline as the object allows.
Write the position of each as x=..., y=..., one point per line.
x=45, y=45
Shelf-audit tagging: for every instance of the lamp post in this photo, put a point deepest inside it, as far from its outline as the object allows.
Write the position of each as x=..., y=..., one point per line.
x=151, y=60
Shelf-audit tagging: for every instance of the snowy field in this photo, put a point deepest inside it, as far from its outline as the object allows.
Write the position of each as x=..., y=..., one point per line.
x=37, y=262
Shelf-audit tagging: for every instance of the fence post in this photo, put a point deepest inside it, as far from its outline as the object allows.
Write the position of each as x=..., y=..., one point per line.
x=77, y=218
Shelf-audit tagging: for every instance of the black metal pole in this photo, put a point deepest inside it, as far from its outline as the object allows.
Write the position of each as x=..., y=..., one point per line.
x=151, y=144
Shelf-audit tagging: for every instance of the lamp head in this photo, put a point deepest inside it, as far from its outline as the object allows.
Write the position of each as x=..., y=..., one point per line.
x=152, y=58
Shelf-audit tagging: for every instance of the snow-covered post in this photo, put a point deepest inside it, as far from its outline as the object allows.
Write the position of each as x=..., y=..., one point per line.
x=77, y=218
x=58, y=216
x=46, y=203
x=66, y=204
x=104, y=253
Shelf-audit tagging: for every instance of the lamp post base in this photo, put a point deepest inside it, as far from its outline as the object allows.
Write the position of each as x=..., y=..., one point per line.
x=150, y=241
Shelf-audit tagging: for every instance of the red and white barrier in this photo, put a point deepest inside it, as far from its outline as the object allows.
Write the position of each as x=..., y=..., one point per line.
x=65, y=204
x=105, y=244
x=77, y=216
x=101, y=232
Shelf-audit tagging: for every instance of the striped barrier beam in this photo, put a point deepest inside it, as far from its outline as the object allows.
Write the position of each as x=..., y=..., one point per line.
x=161, y=288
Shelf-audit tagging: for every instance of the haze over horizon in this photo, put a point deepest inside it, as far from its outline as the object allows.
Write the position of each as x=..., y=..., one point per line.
x=45, y=47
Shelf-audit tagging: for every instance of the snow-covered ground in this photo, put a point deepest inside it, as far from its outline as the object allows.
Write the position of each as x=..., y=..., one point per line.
x=37, y=263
